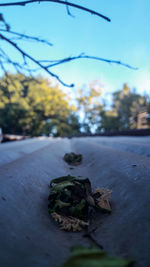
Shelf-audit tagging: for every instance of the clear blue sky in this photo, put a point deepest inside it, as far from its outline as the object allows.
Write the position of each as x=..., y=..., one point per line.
x=125, y=38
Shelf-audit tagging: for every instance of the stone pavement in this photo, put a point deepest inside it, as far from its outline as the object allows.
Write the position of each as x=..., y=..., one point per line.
x=28, y=237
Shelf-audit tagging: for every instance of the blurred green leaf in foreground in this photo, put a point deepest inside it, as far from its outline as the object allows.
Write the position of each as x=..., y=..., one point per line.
x=94, y=257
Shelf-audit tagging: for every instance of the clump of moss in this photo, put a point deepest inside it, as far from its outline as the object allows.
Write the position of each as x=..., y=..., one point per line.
x=73, y=159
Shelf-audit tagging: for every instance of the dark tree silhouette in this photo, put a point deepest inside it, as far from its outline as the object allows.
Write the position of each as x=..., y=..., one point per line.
x=12, y=38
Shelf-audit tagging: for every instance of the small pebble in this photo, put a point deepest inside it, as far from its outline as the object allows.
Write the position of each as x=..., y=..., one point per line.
x=134, y=165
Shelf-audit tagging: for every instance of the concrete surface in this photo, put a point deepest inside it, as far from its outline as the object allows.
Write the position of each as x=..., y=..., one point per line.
x=13, y=150
x=28, y=237
x=137, y=145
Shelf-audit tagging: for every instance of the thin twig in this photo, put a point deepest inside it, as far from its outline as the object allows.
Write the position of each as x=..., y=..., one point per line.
x=89, y=235
x=83, y=56
x=24, y=36
x=68, y=10
x=16, y=65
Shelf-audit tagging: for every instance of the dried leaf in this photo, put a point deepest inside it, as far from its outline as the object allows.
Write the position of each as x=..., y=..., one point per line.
x=105, y=194
x=104, y=204
x=104, y=191
x=69, y=223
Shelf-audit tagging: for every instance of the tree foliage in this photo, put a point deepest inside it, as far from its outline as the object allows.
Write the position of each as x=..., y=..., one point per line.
x=35, y=106
x=88, y=100
x=127, y=104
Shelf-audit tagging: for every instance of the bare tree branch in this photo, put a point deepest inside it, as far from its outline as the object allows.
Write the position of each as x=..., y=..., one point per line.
x=43, y=64
x=6, y=25
x=26, y=55
x=81, y=56
x=24, y=36
x=23, y=3
x=46, y=68
x=5, y=59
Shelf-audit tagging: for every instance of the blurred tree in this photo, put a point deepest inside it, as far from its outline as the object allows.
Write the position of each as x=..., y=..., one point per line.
x=148, y=109
x=108, y=121
x=125, y=108
x=59, y=126
x=27, y=104
x=88, y=100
